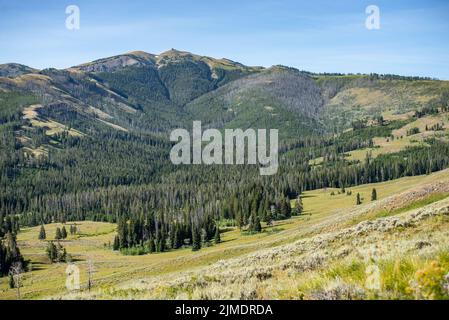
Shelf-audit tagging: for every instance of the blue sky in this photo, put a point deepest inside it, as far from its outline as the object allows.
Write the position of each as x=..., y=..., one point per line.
x=319, y=36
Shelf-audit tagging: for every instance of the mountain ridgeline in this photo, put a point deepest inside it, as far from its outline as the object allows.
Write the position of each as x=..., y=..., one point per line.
x=91, y=142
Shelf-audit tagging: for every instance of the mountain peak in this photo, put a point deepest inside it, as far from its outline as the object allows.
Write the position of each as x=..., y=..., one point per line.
x=129, y=59
x=12, y=70
x=141, y=54
x=176, y=53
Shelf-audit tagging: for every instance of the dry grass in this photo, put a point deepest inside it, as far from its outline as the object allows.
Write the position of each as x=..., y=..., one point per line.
x=401, y=140
x=120, y=276
x=51, y=127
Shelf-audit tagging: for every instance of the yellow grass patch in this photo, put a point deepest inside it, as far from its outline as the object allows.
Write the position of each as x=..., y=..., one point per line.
x=401, y=140
x=52, y=127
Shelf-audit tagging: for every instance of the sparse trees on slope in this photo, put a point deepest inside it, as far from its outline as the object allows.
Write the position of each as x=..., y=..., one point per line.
x=73, y=229
x=51, y=251
x=56, y=253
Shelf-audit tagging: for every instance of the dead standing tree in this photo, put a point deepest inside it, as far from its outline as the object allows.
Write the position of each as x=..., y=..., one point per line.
x=90, y=273
x=15, y=272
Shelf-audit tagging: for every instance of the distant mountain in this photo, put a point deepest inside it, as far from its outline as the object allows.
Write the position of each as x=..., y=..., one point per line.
x=174, y=77
x=139, y=91
x=14, y=70
x=278, y=97
x=142, y=91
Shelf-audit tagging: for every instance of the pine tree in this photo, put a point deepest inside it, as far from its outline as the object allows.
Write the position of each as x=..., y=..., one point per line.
x=122, y=231
x=239, y=220
x=61, y=253
x=10, y=254
x=3, y=269
x=161, y=242
x=158, y=240
x=63, y=233
x=217, y=238
x=116, y=245
x=288, y=208
x=58, y=234
x=56, y=253
x=374, y=195
x=257, y=226
x=285, y=209
x=52, y=252
x=42, y=234
x=359, y=200
x=254, y=225
x=151, y=246
x=11, y=282
x=72, y=229
x=299, y=207
x=268, y=218
x=196, y=239
x=275, y=212
x=176, y=238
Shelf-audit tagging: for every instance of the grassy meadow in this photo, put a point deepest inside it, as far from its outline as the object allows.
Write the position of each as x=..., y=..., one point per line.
x=323, y=213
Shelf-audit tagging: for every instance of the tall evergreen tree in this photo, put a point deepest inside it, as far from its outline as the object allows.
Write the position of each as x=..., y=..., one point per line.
x=11, y=281
x=285, y=209
x=299, y=207
x=56, y=253
x=151, y=245
x=63, y=233
x=116, y=244
x=73, y=229
x=51, y=251
x=217, y=238
x=257, y=226
x=254, y=225
x=58, y=234
x=10, y=254
x=42, y=234
x=196, y=239
x=374, y=195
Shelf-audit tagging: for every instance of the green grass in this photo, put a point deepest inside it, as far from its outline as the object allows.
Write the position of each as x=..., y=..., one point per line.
x=113, y=268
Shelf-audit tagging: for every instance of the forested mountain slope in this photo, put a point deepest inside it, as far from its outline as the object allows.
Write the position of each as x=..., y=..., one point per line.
x=278, y=97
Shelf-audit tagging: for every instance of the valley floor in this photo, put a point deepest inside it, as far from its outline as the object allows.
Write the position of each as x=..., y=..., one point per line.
x=335, y=250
